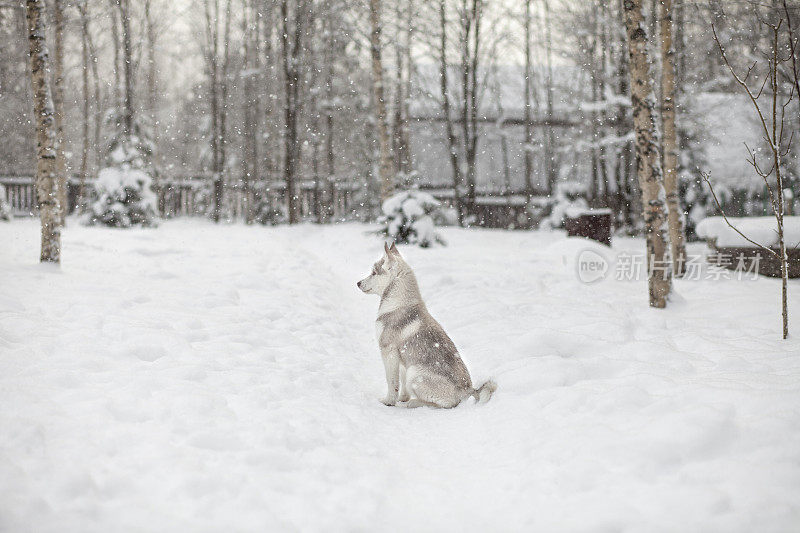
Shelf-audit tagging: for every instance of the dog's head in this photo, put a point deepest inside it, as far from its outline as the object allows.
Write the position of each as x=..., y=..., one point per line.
x=383, y=271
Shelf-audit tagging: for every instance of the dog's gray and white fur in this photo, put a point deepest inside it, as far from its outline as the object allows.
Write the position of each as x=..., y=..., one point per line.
x=422, y=363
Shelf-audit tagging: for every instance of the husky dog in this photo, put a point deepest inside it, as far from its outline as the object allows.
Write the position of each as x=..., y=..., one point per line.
x=420, y=359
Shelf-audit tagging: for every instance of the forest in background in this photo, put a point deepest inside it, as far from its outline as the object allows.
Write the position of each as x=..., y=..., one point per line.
x=249, y=93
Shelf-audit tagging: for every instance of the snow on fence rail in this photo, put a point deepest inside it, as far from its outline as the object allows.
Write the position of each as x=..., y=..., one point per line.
x=763, y=230
x=731, y=250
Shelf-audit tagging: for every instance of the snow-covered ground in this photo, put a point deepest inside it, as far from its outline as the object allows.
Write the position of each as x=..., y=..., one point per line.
x=202, y=378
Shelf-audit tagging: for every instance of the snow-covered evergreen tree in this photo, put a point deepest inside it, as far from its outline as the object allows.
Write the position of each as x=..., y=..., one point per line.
x=267, y=212
x=408, y=218
x=123, y=196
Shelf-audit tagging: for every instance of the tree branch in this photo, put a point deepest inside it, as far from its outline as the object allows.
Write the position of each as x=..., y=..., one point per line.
x=704, y=175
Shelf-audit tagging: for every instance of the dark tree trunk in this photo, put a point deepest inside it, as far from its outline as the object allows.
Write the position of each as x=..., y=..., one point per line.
x=446, y=111
x=58, y=101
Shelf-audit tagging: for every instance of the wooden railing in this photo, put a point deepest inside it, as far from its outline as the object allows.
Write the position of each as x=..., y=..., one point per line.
x=20, y=194
x=190, y=196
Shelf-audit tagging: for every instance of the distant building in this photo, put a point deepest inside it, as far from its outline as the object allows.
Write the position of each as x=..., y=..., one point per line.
x=500, y=159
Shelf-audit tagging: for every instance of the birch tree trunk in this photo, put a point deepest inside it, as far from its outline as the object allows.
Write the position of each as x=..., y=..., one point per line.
x=84, y=17
x=647, y=157
x=669, y=142
x=46, y=176
x=385, y=156
x=58, y=102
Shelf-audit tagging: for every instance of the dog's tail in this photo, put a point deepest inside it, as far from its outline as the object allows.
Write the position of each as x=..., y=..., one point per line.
x=483, y=393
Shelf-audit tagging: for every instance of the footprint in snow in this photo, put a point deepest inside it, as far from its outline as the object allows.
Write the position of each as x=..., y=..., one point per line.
x=147, y=353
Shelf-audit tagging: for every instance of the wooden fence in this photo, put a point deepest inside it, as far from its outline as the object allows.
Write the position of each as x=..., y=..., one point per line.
x=190, y=196
x=20, y=194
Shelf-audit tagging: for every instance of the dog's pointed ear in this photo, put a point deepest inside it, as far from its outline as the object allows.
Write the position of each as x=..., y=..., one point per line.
x=393, y=249
x=386, y=248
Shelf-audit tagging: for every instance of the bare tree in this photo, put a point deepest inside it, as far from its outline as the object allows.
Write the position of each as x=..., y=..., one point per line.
x=85, y=58
x=329, y=48
x=444, y=86
x=151, y=36
x=127, y=61
x=772, y=125
x=527, y=105
x=217, y=99
x=223, y=112
x=330, y=44
x=471, y=15
x=117, y=56
x=624, y=158
x=251, y=103
x=46, y=169
x=291, y=50
x=647, y=156
x=385, y=169
x=403, y=69
x=58, y=102
x=602, y=85
x=152, y=68
x=669, y=141
x=98, y=108
x=549, y=145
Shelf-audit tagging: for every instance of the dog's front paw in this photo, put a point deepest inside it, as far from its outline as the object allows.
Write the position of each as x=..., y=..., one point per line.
x=404, y=398
x=389, y=401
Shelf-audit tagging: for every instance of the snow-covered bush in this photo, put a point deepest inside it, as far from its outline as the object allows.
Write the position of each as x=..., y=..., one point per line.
x=569, y=196
x=5, y=209
x=408, y=218
x=266, y=210
x=123, y=196
x=445, y=215
x=123, y=199
x=270, y=215
x=538, y=210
